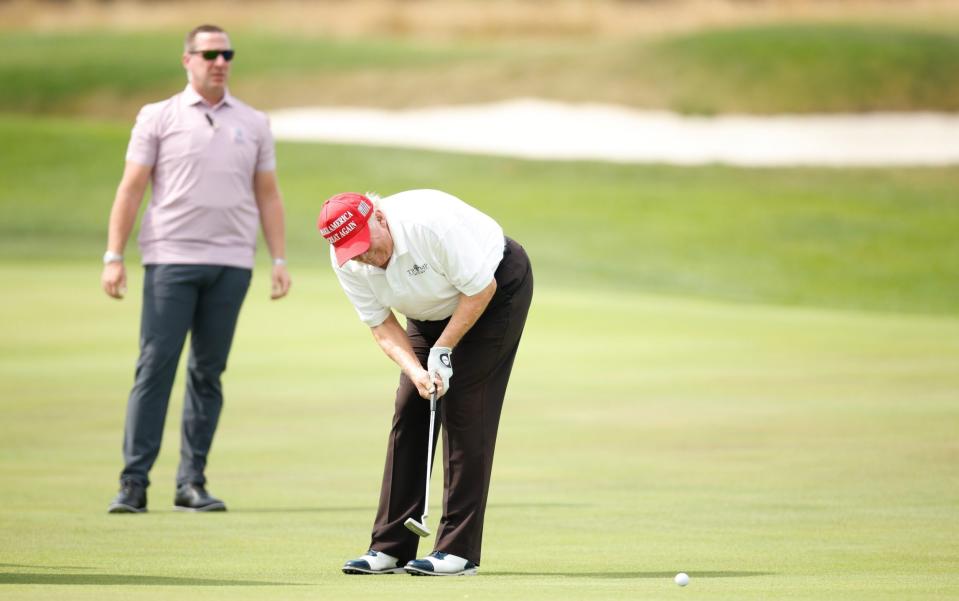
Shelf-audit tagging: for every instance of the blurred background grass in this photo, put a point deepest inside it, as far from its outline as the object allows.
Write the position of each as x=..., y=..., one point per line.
x=867, y=239
x=873, y=239
x=778, y=68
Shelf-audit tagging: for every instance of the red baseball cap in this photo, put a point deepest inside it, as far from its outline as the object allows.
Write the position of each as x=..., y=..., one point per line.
x=344, y=222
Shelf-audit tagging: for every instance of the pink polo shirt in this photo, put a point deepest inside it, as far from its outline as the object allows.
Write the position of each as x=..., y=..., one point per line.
x=203, y=210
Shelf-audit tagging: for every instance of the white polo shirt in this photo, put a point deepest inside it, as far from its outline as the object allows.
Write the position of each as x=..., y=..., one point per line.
x=442, y=247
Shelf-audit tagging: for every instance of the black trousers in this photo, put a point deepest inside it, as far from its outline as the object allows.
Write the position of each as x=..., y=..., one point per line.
x=204, y=300
x=469, y=416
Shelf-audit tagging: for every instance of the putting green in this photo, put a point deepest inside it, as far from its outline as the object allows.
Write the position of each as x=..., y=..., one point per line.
x=771, y=453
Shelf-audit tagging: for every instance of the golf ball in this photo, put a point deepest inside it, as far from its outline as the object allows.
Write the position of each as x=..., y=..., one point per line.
x=682, y=579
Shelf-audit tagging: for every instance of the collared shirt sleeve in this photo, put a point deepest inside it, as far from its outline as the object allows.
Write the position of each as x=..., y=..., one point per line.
x=469, y=263
x=370, y=310
x=144, y=140
x=266, y=154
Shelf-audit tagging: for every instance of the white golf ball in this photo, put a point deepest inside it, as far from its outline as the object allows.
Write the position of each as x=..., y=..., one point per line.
x=682, y=579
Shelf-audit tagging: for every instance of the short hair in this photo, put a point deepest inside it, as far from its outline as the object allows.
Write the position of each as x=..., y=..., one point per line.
x=191, y=37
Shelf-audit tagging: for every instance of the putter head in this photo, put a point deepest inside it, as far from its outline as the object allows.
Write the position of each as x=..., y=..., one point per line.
x=417, y=527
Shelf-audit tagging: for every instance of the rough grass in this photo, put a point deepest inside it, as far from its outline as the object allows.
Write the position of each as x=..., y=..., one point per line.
x=761, y=69
x=812, y=68
x=75, y=72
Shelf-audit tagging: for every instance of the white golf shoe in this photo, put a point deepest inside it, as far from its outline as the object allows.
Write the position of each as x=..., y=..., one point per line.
x=438, y=563
x=374, y=562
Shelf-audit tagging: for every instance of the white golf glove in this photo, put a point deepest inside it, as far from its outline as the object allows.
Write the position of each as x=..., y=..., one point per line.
x=440, y=363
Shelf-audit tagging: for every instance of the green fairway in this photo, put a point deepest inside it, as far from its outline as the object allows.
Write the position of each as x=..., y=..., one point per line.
x=770, y=453
x=878, y=240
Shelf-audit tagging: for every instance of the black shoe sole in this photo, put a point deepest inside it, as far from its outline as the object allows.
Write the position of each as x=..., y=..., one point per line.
x=204, y=509
x=418, y=572
x=359, y=572
x=121, y=508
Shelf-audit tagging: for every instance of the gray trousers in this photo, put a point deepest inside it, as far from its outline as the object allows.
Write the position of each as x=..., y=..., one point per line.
x=204, y=300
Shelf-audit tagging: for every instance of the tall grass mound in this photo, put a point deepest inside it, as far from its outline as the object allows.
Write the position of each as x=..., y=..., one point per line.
x=808, y=68
x=792, y=68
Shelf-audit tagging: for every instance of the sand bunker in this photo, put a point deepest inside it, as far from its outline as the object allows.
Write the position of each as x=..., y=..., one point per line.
x=537, y=129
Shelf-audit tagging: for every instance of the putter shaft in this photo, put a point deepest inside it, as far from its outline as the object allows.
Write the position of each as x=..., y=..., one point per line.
x=420, y=527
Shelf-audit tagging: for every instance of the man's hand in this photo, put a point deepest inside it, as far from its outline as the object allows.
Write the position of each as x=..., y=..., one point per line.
x=281, y=282
x=392, y=338
x=425, y=383
x=123, y=214
x=440, y=364
x=114, y=279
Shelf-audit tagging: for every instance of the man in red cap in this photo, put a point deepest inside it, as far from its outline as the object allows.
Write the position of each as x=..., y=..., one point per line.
x=465, y=290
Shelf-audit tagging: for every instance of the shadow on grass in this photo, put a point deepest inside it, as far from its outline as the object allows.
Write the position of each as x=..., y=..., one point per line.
x=300, y=509
x=25, y=565
x=647, y=575
x=535, y=505
x=125, y=580
x=373, y=509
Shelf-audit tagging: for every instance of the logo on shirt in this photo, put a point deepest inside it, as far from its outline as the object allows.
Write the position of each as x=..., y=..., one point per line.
x=238, y=137
x=418, y=269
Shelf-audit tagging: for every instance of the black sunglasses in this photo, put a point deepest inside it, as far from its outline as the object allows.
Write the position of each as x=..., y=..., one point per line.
x=211, y=55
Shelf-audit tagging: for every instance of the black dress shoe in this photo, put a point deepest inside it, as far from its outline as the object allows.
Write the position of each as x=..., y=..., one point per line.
x=132, y=498
x=193, y=497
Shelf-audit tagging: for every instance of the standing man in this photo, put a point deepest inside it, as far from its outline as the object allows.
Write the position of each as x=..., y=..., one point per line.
x=465, y=290
x=211, y=161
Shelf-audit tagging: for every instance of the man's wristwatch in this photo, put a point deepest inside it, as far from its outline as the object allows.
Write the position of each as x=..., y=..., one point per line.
x=279, y=261
x=112, y=257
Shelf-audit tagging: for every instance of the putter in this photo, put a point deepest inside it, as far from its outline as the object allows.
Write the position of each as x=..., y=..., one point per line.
x=420, y=527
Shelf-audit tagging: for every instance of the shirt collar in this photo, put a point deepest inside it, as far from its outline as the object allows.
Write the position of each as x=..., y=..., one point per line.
x=191, y=98
x=396, y=232
x=399, y=240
